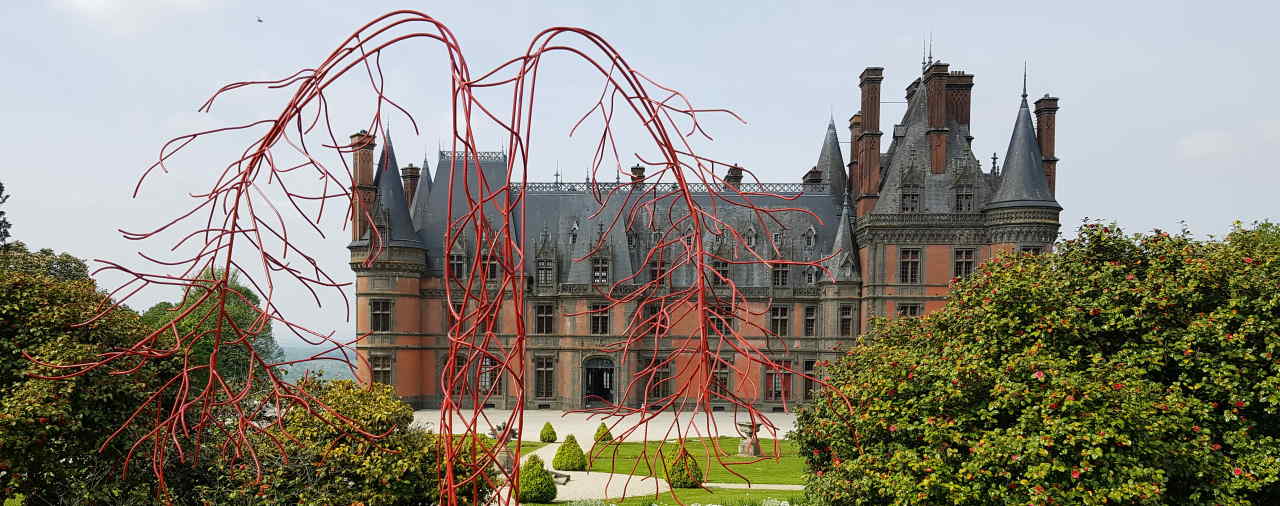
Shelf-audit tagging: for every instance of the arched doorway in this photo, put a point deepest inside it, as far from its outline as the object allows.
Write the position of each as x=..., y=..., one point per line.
x=597, y=382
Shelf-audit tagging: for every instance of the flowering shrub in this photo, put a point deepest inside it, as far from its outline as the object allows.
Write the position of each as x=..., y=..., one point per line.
x=1142, y=370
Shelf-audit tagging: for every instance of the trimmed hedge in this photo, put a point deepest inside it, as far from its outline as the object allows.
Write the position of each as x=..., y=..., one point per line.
x=683, y=471
x=548, y=434
x=603, y=434
x=536, y=485
x=569, y=457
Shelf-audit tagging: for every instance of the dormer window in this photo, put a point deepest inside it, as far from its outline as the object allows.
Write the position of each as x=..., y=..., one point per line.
x=964, y=198
x=811, y=276
x=655, y=237
x=457, y=266
x=752, y=237
x=777, y=239
x=573, y=234
x=599, y=271
x=546, y=273
x=810, y=238
x=910, y=198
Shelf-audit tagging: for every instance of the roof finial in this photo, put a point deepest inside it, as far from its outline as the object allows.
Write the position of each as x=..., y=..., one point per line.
x=924, y=64
x=994, y=168
x=930, y=48
x=557, y=171
x=1024, y=80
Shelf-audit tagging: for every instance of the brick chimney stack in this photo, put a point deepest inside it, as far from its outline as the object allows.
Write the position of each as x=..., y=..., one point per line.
x=409, y=175
x=855, y=131
x=362, y=192
x=637, y=173
x=935, y=82
x=1046, y=120
x=869, y=140
x=959, y=93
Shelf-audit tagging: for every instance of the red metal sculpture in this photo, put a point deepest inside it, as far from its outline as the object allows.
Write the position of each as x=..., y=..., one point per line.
x=236, y=229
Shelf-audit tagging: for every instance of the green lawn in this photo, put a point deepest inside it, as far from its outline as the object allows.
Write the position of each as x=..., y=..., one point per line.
x=527, y=447
x=632, y=458
x=722, y=496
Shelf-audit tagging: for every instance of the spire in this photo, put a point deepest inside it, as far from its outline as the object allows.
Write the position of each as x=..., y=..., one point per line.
x=1022, y=182
x=843, y=264
x=1024, y=83
x=831, y=161
x=390, y=196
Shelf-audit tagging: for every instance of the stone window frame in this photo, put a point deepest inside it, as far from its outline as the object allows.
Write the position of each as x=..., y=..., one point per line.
x=545, y=271
x=786, y=383
x=845, y=313
x=810, y=275
x=1030, y=249
x=809, y=389
x=723, y=325
x=956, y=260
x=721, y=368
x=723, y=277
x=662, y=378
x=390, y=314
x=914, y=191
x=595, y=318
x=964, y=197
x=600, y=266
x=780, y=319
x=810, y=238
x=908, y=308
x=910, y=270
x=657, y=269
x=550, y=371
x=375, y=358
x=810, y=318
x=539, y=318
x=779, y=276
x=489, y=376
x=457, y=266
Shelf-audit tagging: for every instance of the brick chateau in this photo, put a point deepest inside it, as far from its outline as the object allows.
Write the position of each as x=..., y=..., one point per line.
x=911, y=210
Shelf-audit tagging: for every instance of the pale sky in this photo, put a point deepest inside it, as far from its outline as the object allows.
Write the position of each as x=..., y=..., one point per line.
x=1165, y=116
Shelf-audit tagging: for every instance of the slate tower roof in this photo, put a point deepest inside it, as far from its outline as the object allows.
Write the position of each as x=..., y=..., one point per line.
x=393, y=211
x=1023, y=183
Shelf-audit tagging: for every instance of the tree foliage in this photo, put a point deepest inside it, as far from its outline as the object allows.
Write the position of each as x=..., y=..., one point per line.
x=1138, y=370
x=683, y=471
x=16, y=258
x=243, y=311
x=51, y=432
x=4, y=220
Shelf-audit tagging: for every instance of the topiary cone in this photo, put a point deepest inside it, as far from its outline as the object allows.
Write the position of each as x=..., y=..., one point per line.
x=536, y=485
x=569, y=457
x=548, y=434
x=602, y=433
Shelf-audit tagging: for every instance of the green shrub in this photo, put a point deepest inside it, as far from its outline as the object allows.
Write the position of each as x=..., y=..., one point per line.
x=683, y=471
x=536, y=484
x=602, y=434
x=569, y=456
x=1131, y=370
x=548, y=434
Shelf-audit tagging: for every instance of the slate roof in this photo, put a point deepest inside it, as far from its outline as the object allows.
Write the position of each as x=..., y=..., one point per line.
x=391, y=205
x=831, y=162
x=1024, y=183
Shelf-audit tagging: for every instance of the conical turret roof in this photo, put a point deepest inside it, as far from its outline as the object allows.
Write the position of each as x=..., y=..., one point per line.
x=391, y=204
x=831, y=162
x=1023, y=183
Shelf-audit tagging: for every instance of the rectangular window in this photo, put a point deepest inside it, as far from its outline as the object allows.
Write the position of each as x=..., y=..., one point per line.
x=599, y=271
x=719, y=320
x=545, y=273
x=544, y=319
x=1031, y=250
x=489, y=378
x=810, y=386
x=780, y=273
x=811, y=276
x=910, y=308
x=720, y=378
x=491, y=269
x=380, y=315
x=965, y=260
x=457, y=266
x=810, y=321
x=721, y=277
x=846, y=320
x=658, y=378
x=777, y=382
x=780, y=320
x=599, y=319
x=964, y=198
x=909, y=266
x=380, y=368
x=910, y=199
x=543, y=377
x=657, y=269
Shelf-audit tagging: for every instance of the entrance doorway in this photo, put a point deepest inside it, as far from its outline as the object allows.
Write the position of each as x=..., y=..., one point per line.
x=597, y=382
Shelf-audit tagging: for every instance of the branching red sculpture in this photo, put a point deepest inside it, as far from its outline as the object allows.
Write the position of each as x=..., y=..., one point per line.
x=235, y=228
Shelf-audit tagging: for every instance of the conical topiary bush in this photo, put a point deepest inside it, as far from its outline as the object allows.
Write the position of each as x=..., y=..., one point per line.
x=569, y=457
x=603, y=434
x=548, y=434
x=536, y=485
x=683, y=471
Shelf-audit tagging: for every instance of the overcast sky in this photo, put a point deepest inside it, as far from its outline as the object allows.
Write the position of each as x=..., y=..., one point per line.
x=1168, y=112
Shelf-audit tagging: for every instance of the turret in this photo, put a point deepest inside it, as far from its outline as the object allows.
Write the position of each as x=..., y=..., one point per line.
x=1023, y=214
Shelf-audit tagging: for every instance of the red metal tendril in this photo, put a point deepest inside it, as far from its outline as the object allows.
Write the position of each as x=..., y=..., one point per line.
x=238, y=211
